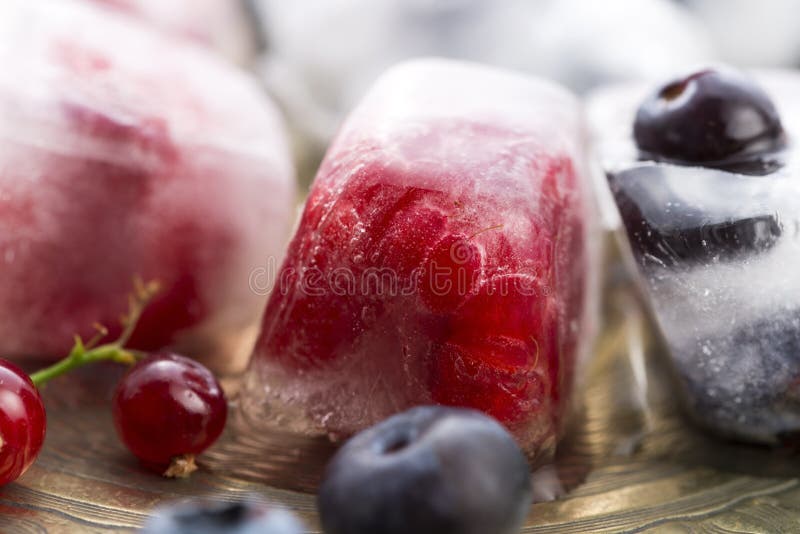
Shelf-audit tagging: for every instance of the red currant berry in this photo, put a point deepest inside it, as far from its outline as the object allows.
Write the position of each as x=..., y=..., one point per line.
x=168, y=407
x=22, y=422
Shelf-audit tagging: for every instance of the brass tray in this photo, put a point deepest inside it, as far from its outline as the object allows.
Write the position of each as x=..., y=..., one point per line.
x=630, y=462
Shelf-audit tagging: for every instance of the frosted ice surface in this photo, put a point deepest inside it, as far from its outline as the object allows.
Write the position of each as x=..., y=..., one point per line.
x=718, y=252
x=451, y=168
x=125, y=152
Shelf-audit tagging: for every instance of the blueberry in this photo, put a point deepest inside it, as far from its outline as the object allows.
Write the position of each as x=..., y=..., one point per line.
x=743, y=382
x=712, y=117
x=677, y=214
x=429, y=470
x=206, y=517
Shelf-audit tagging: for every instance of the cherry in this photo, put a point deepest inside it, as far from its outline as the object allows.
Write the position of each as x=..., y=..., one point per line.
x=675, y=215
x=168, y=408
x=714, y=117
x=22, y=422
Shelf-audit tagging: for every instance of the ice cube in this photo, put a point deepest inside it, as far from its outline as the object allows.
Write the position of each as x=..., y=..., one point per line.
x=123, y=153
x=223, y=25
x=676, y=219
x=444, y=256
x=717, y=251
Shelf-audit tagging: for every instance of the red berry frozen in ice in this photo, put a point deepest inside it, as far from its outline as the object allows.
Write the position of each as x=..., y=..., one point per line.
x=174, y=170
x=442, y=257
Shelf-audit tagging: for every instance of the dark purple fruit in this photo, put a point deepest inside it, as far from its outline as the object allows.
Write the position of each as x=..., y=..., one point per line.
x=712, y=117
x=428, y=470
x=677, y=214
x=762, y=405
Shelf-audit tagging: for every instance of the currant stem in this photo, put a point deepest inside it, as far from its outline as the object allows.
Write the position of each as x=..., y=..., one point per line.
x=80, y=357
x=115, y=351
x=181, y=467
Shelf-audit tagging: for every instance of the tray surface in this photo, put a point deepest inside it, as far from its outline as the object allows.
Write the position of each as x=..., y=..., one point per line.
x=630, y=462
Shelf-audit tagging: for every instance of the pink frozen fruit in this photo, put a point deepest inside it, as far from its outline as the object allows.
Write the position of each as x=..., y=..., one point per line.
x=442, y=257
x=124, y=153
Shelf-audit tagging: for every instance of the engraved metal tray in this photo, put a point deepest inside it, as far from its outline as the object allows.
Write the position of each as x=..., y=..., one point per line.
x=630, y=462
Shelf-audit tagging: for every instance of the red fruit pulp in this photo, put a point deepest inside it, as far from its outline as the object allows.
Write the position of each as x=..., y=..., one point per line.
x=22, y=422
x=167, y=406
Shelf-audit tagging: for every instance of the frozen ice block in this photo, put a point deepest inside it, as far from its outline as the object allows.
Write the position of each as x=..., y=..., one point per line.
x=442, y=257
x=717, y=247
x=219, y=24
x=124, y=153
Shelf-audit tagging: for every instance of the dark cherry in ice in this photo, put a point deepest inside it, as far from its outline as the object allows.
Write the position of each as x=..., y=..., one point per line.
x=713, y=117
x=675, y=214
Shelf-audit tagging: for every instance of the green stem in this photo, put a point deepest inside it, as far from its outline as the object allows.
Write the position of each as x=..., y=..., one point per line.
x=79, y=357
x=84, y=354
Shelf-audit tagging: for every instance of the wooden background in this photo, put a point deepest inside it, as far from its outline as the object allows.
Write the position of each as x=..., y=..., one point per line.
x=630, y=462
